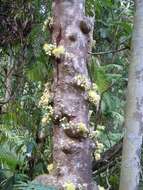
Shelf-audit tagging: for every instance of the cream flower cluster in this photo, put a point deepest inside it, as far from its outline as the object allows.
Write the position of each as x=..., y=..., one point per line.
x=69, y=186
x=81, y=127
x=95, y=136
x=82, y=81
x=76, y=127
x=52, y=49
x=100, y=187
x=48, y=21
x=50, y=167
x=58, y=51
x=99, y=150
x=46, y=97
x=48, y=48
x=93, y=96
x=44, y=104
x=47, y=116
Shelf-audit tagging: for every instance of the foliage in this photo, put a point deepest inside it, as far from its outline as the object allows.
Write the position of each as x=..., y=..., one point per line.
x=25, y=137
x=32, y=186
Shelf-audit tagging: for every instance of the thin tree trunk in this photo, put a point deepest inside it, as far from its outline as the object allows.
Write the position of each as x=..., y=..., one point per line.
x=14, y=71
x=72, y=149
x=9, y=77
x=130, y=170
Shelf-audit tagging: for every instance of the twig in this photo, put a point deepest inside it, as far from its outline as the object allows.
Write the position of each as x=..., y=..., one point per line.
x=108, y=52
x=107, y=181
x=108, y=157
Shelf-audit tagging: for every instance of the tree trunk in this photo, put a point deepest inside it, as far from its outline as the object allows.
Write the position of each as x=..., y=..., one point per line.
x=130, y=170
x=72, y=146
x=14, y=78
x=9, y=77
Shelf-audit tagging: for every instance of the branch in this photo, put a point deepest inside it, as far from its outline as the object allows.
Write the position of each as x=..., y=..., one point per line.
x=107, y=52
x=108, y=157
x=5, y=102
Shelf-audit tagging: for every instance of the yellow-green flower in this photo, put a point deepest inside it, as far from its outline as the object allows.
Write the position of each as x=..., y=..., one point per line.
x=94, y=86
x=48, y=48
x=97, y=156
x=45, y=25
x=100, y=188
x=45, y=98
x=69, y=186
x=58, y=51
x=93, y=134
x=100, y=127
x=50, y=167
x=93, y=97
x=81, y=127
x=44, y=120
x=82, y=81
x=99, y=145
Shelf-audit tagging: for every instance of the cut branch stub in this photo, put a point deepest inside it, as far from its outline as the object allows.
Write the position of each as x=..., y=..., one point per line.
x=85, y=26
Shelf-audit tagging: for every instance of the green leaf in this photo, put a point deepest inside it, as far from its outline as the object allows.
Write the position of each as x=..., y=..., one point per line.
x=32, y=186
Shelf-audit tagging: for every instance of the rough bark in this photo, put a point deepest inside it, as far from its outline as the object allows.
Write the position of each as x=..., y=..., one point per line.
x=72, y=149
x=130, y=171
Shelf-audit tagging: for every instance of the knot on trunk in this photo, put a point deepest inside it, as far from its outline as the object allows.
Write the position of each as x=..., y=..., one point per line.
x=86, y=25
x=78, y=130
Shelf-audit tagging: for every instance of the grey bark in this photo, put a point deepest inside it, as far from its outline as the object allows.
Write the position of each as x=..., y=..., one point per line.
x=72, y=150
x=130, y=170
